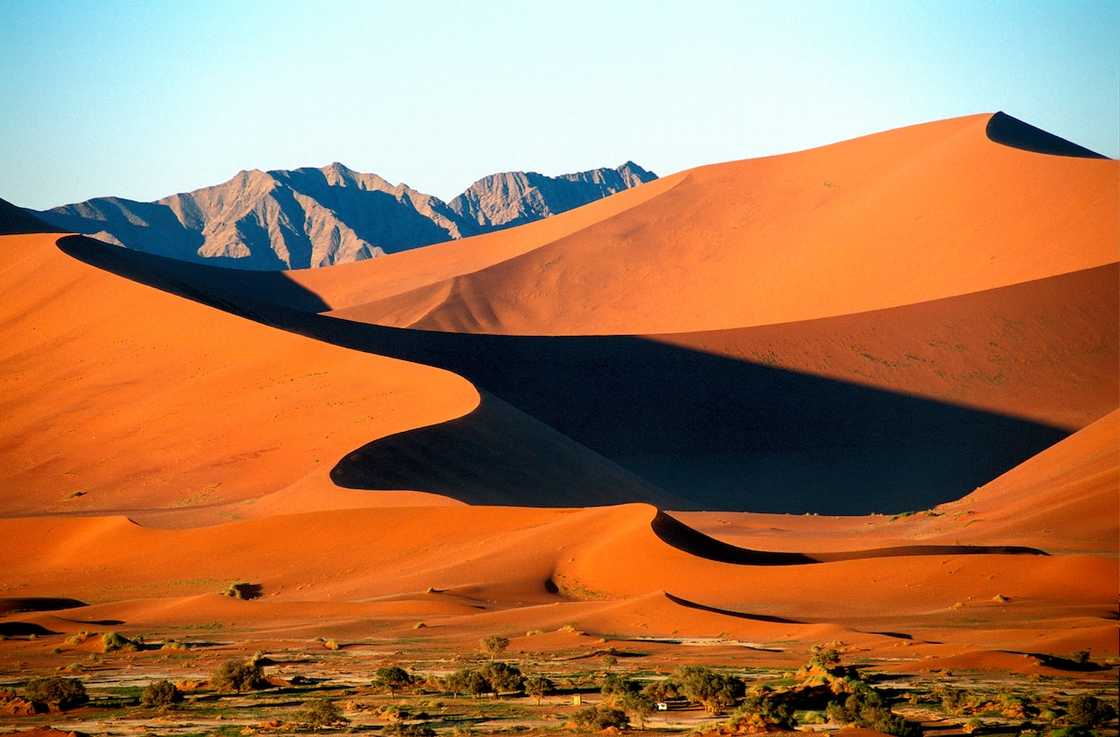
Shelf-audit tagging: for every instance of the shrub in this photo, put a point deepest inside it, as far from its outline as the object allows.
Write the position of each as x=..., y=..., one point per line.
x=601, y=717
x=113, y=641
x=394, y=678
x=161, y=693
x=244, y=591
x=503, y=677
x=400, y=729
x=539, y=686
x=714, y=690
x=60, y=693
x=1089, y=711
x=235, y=675
x=494, y=645
x=320, y=713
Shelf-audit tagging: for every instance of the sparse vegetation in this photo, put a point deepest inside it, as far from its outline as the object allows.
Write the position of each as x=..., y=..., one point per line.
x=319, y=714
x=601, y=717
x=539, y=686
x=714, y=691
x=244, y=591
x=114, y=641
x=56, y=693
x=161, y=693
x=237, y=675
x=393, y=679
x=1086, y=710
x=494, y=645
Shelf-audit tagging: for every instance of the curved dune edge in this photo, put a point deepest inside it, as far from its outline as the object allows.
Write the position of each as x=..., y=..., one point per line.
x=1003, y=128
x=242, y=410
x=674, y=532
x=754, y=233
x=466, y=570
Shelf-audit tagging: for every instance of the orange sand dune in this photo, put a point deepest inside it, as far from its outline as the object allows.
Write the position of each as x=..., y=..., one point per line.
x=1064, y=500
x=122, y=398
x=894, y=218
x=140, y=399
x=601, y=568
x=1046, y=350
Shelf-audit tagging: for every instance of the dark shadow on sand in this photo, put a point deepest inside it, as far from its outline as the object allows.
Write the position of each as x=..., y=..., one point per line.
x=717, y=433
x=1002, y=128
x=674, y=532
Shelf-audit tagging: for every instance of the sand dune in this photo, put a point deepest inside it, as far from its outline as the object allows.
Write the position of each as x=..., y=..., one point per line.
x=122, y=398
x=891, y=219
x=170, y=427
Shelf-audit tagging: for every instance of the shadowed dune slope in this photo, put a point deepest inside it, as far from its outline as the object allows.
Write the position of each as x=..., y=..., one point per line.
x=884, y=411
x=890, y=219
x=120, y=397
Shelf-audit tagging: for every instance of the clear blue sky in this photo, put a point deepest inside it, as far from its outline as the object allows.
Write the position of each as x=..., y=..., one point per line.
x=147, y=99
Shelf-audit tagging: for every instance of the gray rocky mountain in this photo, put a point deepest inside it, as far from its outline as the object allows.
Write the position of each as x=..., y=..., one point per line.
x=310, y=217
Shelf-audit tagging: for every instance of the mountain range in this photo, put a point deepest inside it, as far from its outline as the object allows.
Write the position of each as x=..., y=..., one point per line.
x=311, y=217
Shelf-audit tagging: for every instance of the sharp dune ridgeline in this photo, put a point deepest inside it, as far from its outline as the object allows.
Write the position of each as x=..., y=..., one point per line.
x=592, y=409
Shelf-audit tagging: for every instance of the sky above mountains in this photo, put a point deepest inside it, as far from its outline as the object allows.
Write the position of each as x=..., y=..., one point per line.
x=146, y=100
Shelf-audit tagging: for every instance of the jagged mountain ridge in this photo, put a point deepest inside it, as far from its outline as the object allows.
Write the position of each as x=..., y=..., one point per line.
x=311, y=217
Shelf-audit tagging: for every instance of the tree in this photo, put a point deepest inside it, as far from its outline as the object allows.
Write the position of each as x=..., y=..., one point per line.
x=61, y=693
x=161, y=693
x=235, y=675
x=664, y=690
x=320, y=713
x=615, y=687
x=637, y=705
x=468, y=681
x=503, y=677
x=1089, y=711
x=714, y=690
x=494, y=645
x=394, y=678
x=539, y=686
x=601, y=717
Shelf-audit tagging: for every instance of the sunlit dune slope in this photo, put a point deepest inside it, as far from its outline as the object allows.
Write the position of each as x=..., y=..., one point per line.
x=890, y=219
x=1068, y=495
x=605, y=566
x=136, y=398
x=120, y=397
